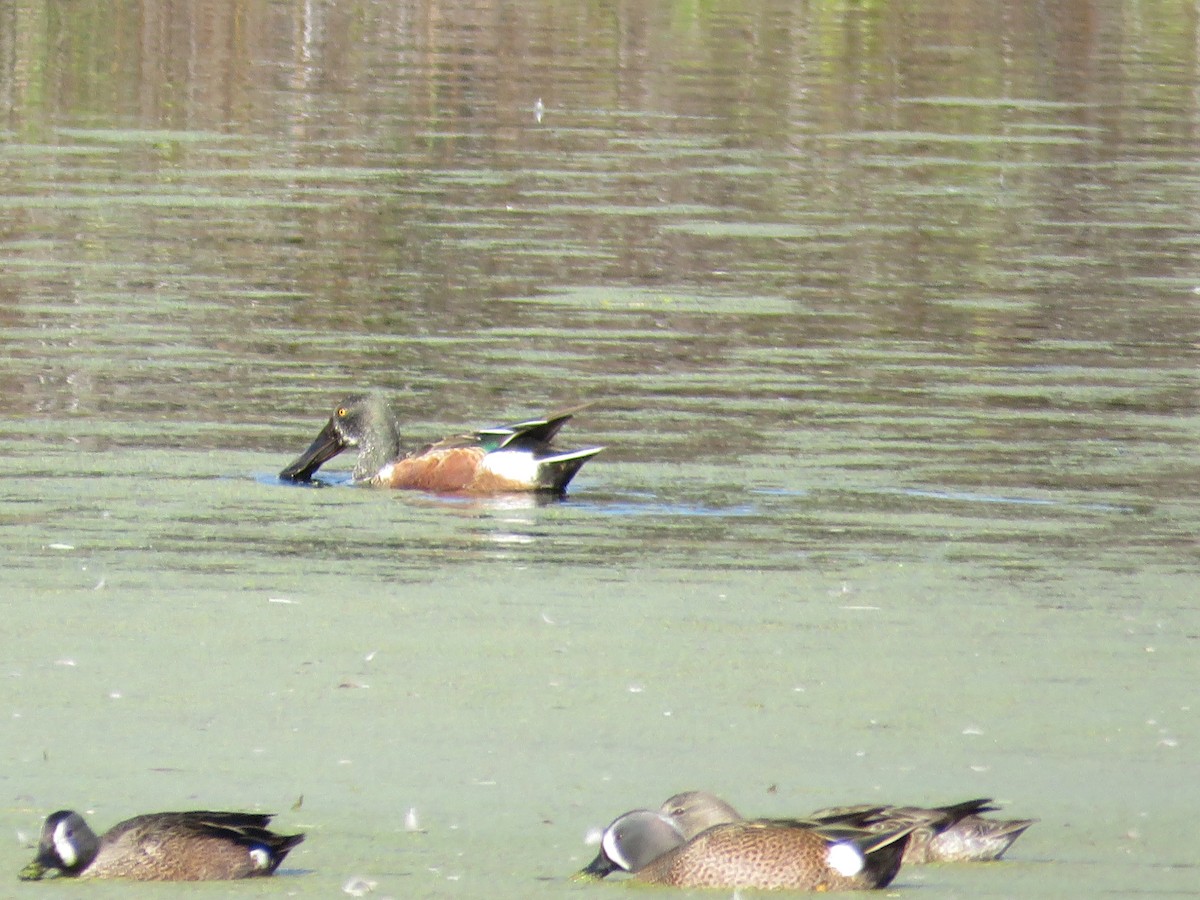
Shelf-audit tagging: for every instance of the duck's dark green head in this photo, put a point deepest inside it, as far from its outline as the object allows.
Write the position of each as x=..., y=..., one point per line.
x=363, y=421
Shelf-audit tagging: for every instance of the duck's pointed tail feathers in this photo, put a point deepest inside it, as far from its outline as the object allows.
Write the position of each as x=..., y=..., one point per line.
x=555, y=472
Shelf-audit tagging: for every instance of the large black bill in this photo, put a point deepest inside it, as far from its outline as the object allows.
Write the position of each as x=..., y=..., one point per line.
x=327, y=445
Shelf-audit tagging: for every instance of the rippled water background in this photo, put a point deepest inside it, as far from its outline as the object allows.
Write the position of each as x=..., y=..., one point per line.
x=891, y=317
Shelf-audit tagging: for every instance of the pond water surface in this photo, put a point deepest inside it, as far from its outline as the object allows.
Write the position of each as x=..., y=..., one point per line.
x=890, y=320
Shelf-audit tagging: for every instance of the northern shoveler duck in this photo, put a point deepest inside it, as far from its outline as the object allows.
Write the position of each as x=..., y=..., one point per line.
x=169, y=846
x=767, y=854
x=955, y=833
x=497, y=460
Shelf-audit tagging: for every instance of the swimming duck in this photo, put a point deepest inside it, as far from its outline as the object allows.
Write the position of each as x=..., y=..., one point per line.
x=168, y=846
x=499, y=460
x=775, y=854
x=955, y=833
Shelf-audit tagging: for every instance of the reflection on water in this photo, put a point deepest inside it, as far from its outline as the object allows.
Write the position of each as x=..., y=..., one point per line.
x=964, y=497
x=889, y=317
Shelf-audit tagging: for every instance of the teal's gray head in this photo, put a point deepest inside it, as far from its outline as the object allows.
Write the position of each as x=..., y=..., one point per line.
x=66, y=844
x=697, y=811
x=633, y=841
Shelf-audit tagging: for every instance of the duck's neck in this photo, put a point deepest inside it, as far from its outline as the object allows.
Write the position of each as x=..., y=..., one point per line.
x=380, y=442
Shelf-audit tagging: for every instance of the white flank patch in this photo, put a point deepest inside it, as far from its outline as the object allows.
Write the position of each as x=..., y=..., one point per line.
x=64, y=846
x=260, y=857
x=845, y=859
x=411, y=822
x=512, y=465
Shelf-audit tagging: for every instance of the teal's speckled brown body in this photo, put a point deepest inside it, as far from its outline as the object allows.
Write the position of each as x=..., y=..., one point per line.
x=953, y=833
x=169, y=846
x=760, y=854
x=772, y=856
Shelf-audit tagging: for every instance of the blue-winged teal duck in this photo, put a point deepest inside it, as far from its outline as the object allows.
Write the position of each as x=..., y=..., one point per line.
x=499, y=460
x=764, y=854
x=169, y=846
x=954, y=833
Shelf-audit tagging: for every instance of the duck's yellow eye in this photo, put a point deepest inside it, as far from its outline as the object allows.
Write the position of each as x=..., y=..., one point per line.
x=342, y=412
